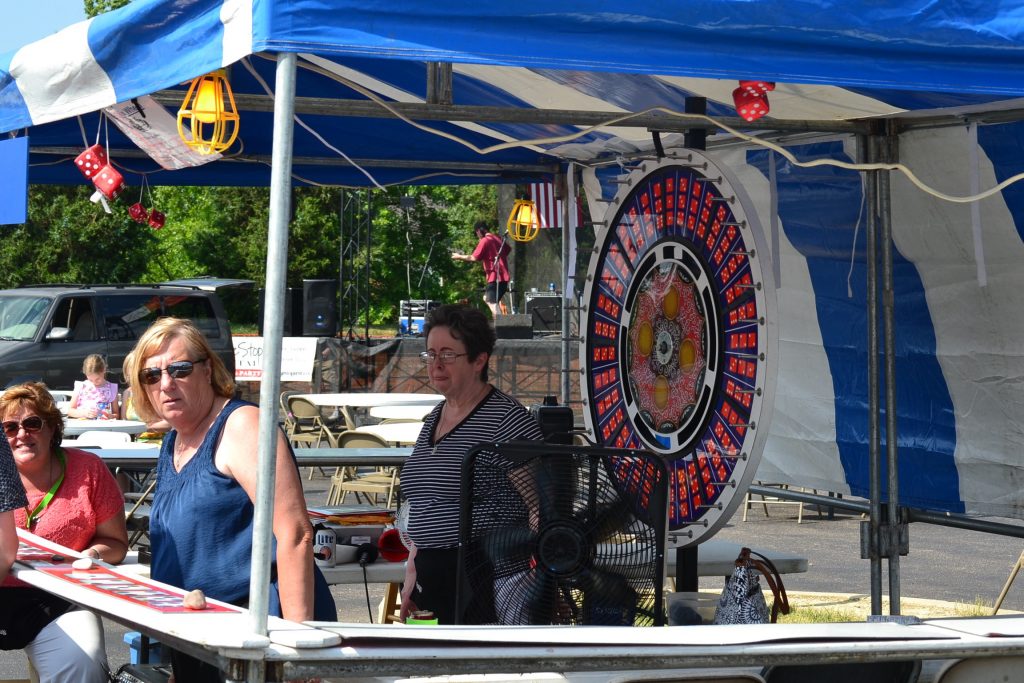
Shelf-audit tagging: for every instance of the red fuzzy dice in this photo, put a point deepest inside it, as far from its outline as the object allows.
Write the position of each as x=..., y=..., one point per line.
x=91, y=161
x=750, y=106
x=109, y=181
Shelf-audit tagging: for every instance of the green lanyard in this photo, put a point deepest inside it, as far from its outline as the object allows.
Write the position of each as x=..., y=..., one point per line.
x=30, y=517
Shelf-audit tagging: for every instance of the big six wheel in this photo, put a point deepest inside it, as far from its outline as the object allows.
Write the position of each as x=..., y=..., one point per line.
x=678, y=352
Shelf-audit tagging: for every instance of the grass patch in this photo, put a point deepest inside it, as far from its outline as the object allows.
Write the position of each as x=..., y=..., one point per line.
x=824, y=609
x=820, y=615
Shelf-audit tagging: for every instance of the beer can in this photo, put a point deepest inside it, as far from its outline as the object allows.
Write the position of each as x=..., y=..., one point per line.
x=423, y=617
x=324, y=541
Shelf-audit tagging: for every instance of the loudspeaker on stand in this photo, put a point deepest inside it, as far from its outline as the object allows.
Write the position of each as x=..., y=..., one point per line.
x=320, y=308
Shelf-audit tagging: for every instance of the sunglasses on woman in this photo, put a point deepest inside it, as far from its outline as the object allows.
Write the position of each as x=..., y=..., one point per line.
x=31, y=425
x=178, y=369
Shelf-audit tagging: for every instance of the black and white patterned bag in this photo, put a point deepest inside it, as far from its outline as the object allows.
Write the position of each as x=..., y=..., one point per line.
x=742, y=600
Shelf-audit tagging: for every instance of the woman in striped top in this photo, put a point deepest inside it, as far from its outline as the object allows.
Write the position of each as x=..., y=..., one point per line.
x=460, y=341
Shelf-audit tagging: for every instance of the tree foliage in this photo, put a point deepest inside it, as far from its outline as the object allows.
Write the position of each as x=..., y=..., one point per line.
x=222, y=231
x=94, y=7
x=412, y=247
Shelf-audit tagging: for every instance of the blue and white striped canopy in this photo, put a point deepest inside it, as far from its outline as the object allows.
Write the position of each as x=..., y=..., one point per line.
x=959, y=365
x=584, y=56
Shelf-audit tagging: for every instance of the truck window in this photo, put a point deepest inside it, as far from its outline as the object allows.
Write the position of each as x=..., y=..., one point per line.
x=75, y=313
x=20, y=316
x=127, y=317
x=195, y=308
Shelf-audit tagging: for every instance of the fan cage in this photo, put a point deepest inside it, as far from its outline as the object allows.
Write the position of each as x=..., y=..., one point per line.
x=562, y=535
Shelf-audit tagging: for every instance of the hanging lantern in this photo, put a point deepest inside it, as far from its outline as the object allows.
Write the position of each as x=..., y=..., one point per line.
x=210, y=112
x=523, y=222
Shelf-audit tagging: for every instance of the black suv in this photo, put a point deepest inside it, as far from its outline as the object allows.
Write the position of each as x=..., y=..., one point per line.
x=46, y=331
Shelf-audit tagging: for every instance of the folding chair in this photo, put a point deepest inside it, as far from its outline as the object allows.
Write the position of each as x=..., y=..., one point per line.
x=347, y=480
x=307, y=425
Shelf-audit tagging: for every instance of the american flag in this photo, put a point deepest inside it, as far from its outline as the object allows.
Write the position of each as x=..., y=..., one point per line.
x=548, y=208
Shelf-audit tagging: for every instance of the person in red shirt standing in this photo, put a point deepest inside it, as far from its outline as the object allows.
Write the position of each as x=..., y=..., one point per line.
x=492, y=253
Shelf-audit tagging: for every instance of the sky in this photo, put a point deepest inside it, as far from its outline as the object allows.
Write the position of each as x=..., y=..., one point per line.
x=28, y=20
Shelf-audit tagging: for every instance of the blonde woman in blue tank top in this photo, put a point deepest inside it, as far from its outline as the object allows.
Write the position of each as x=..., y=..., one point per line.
x=202, y=515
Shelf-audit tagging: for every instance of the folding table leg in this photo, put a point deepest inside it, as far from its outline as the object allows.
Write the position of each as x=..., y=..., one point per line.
x=390, y=605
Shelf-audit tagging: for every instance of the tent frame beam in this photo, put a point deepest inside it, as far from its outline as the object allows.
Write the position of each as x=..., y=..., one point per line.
x=326, y=106
x=136, y=153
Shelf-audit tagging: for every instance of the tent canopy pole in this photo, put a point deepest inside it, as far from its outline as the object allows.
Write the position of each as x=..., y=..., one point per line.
x=273, y=324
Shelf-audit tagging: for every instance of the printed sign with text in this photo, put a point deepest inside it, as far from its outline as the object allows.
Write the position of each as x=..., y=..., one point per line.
x=297, y=355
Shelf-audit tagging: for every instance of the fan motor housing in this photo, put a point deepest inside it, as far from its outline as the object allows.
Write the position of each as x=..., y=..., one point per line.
x=561, y=549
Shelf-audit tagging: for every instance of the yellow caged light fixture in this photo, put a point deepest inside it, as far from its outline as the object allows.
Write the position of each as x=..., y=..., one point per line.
x=210, y=112
x=523, y=222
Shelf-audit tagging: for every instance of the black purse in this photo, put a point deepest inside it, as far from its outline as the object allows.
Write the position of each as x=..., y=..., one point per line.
x=742, y=600
x=24, y=612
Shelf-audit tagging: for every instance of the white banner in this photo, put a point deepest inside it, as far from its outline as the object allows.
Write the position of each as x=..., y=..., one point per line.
x=155, y=131
x=297, y=355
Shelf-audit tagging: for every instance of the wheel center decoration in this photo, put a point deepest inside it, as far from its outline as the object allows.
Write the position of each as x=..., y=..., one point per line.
x=680, y=335
x=666, y=353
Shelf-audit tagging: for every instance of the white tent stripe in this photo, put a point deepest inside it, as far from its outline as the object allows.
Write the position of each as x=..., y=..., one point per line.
x=801, y=445
x=541, y=92
x=58, y=77
x=236, y=15
x=398, y=95
x=977, y=329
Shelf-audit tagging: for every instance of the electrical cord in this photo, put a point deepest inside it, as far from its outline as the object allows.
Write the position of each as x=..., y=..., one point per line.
x=366, y=553
x=366, y=587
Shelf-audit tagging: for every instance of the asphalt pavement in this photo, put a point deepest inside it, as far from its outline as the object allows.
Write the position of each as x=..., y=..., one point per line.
x=944, y=564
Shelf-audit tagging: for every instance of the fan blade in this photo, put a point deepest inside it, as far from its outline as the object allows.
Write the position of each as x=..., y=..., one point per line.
x=608, y=598
x=506, y=545
x=610, y=517
x=540, y=598
x=553, y=478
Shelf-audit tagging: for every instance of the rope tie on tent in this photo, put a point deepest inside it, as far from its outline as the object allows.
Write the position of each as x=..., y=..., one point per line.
x=658, y=149
x=856, y=231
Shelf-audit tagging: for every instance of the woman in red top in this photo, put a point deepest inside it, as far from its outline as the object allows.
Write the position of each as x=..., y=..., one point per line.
x=73, y=500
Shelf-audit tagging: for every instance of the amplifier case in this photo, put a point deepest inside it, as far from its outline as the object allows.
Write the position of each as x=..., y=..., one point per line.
x=546, y=311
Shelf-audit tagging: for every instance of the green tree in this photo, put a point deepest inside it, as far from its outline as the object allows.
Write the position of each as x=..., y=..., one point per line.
x=94, y=7
x=68, y=238
x=411, y=256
